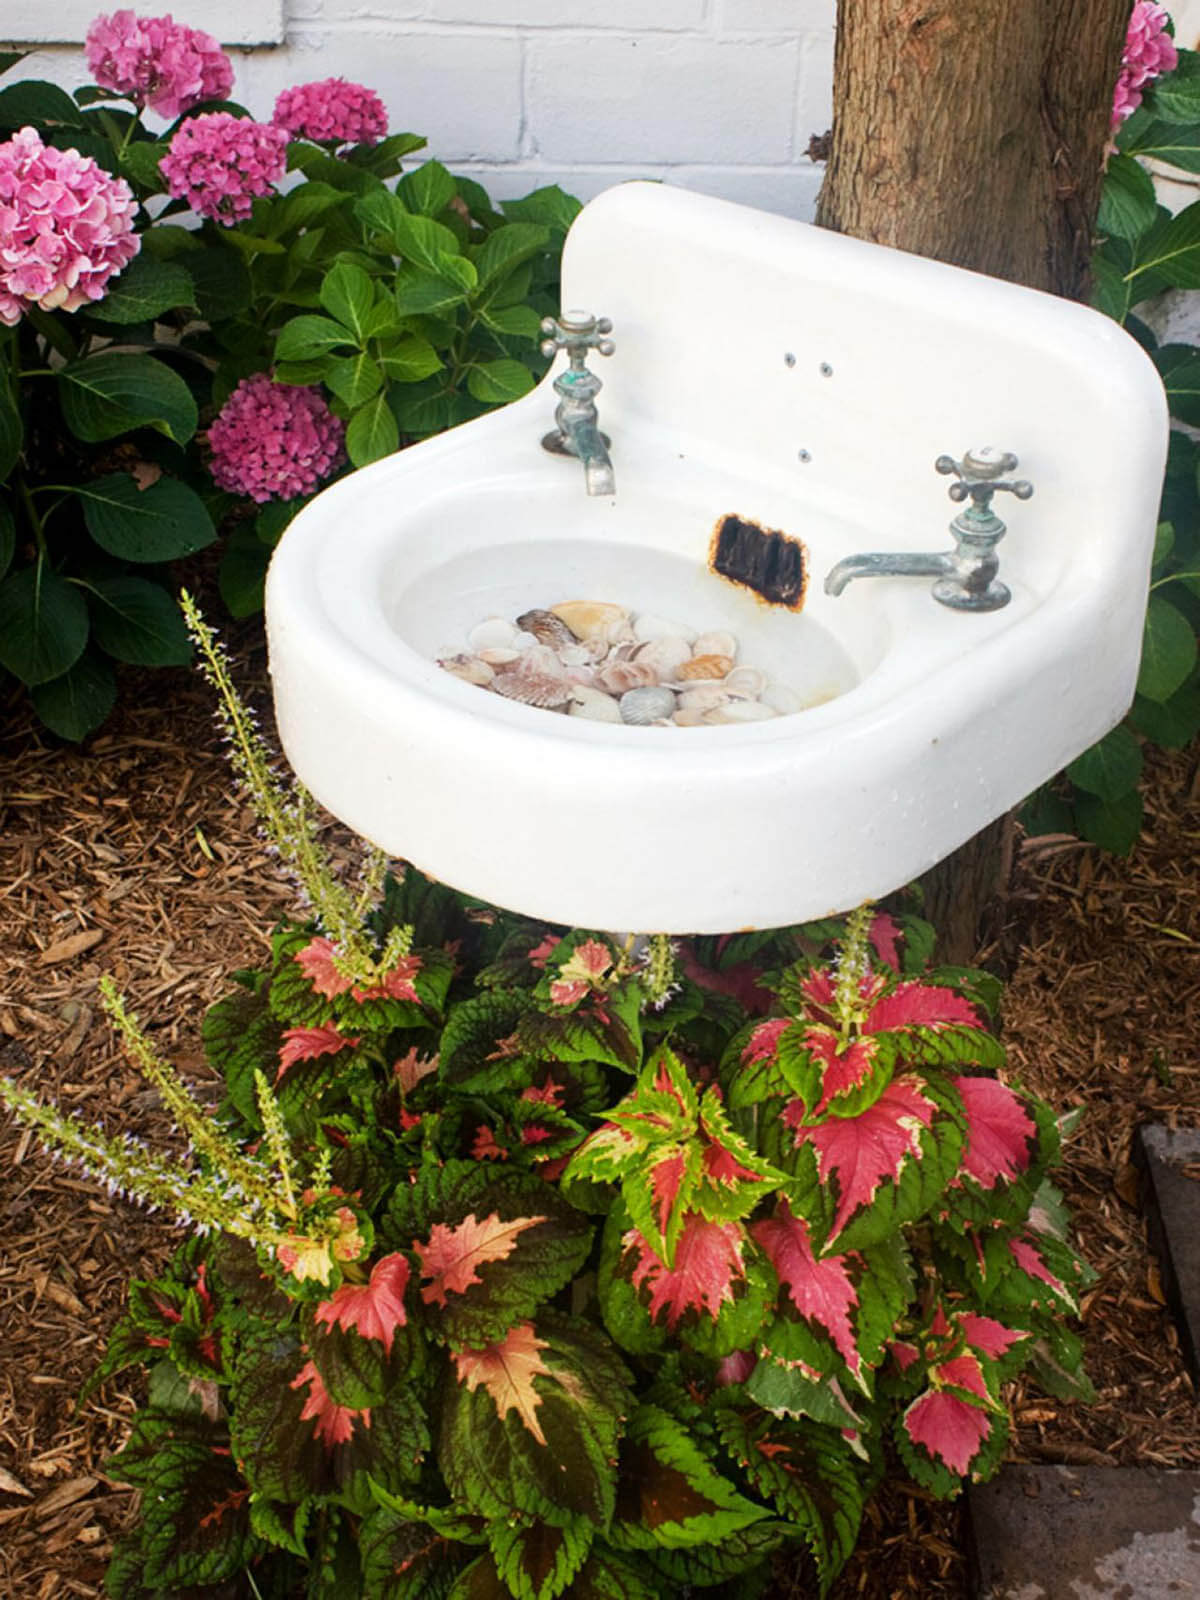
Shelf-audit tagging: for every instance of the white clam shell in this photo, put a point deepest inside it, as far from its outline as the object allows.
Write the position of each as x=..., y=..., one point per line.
x=781, y=698
x=574, y=655
x=746, y=683
x=665, y=654
x=703, y=697
x=689, y=718
x=469, y=668
x=493, y=633
x=541, y=658
x=499, y=657
x=593, y=704
x=585, y=676
x=643, y=706
x=740, y=711
x=715, y=643
x=647, y=626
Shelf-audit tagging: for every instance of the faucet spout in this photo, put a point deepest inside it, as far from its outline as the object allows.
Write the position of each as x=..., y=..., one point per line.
x=587, y=442
x=897, y=564
x=577, y=432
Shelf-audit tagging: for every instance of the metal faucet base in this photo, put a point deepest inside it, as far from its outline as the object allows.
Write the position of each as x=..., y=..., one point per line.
x=955, y=594
x=559, y=445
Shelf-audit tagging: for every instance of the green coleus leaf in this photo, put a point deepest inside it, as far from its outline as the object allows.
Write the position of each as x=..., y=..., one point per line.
x=196, y=1524
x=733, y=1177
x=1013, y=1270
x=478, y=1048
x=405, y=1560
x=791, y=1387
x=738, y=1556
x=293, y=1440
x=531, y=1424
x=537, y=1560
x=812, y=1478
x=847, y=1304
x=490, y=1247
x=241, y=1037
x=857, y=1179
x=669, y=1493
x=306, y=987
x=282, y=1526
x=589, y=1014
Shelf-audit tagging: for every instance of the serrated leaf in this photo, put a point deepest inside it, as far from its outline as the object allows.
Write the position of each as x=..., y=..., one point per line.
x=1128, y=205
x=505, y=249
x=405, y=1560
x=354, y=379
x=497, y=382
x=112, y=393
x=420, y=293
x=476, y=1053
x=538, y=1561
x=348, y=294
x=708, y=1264
x=1176, y=95
x=792, y=1387
x=871, y=1173
x=196, y=1525
x=942, y=1437
x=427, y=189
x=43, y=624
x=409, y=359
x=1110, y=768
x=307, y=338
x=137, y=621
x=1176, y=143
x=143, y=291
x=550, y=206
x=1001, y=1136
x=282, y=1526
x=742, y=1555
x=822, y=1291
x=159, y=523
x=531, y=1424
x=372, y=432
x=1179, y=367
x=1172, y=724
x=669, y=1493
x=1168, y=649
x=77, y=703
x=811, y=1476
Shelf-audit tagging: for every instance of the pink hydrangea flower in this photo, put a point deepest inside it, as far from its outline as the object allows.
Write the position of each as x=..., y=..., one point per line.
x=1149, y=52
x=157, y=62
x=218, y=163
x=273, y=441
x=66, y=226
x=331, y=110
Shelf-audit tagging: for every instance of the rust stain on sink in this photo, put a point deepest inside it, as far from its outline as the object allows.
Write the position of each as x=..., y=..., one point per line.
x=771, y=564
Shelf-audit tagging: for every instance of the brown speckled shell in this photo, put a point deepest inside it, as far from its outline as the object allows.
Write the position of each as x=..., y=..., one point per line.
x=546, y=628
x=704, y=667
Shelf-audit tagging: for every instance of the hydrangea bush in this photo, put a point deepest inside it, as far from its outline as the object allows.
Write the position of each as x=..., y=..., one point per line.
x=200, y=326
x=1142, y=251
x=531, y=1262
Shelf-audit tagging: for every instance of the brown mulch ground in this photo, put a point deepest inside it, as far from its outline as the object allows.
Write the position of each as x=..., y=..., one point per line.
x=135, y=859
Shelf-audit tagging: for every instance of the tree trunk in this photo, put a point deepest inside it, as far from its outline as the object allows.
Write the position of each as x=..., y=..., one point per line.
x=973, y=131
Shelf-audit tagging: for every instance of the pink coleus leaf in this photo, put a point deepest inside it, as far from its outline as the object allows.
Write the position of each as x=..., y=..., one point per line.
x=708, y=1262
x=507, y=1370
x=334, y=1424
x=549, y=1093
x=450, y=1257
x=885, y=934
x=666, y=1177
x=962, y=1372
x=316, y=962
x=411, y=1068
x=925, y=1005
x=989, y=1337
x=374, y=1309
x=845, y=1067
x=950, y=1429
x=398, y=983
x=763, y=1043
x=736, y=1368
x=306, y=1044
x=821, y=1290
x=865, y=1151
x=1000, y=1131
x=1029, y=1258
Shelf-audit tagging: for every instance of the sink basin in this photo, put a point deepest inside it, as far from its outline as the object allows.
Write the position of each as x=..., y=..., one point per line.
x=800, y=380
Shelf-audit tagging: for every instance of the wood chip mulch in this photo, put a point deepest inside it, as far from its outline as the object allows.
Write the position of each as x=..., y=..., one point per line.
x=135, y=857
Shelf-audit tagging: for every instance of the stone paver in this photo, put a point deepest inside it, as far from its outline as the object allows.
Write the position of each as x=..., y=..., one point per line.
x=1170, y=1161
x=1086, y=1533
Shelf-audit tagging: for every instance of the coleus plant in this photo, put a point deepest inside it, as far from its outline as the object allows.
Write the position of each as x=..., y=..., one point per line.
x=532, y=1261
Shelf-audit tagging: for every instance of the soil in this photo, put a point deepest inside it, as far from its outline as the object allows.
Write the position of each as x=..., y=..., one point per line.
x=134, y=856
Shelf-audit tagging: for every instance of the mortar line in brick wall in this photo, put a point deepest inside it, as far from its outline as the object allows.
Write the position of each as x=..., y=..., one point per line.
x=374, y=21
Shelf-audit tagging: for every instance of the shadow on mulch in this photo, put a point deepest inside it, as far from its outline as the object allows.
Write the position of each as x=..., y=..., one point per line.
x=134, y=857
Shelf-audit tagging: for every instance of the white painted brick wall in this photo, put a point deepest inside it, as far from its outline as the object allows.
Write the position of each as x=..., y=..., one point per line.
x=716, y=95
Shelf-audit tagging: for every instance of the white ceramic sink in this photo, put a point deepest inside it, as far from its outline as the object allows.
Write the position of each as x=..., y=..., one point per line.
x=792, y=377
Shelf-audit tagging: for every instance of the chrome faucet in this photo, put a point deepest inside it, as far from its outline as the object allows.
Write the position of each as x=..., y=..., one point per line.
x=578, y=431
x=967, y=574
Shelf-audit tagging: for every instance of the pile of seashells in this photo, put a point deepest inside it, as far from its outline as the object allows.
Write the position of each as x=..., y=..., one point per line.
x=589, y=658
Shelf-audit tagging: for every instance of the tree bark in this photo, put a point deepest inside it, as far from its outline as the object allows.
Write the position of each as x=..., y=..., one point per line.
x=973, y=131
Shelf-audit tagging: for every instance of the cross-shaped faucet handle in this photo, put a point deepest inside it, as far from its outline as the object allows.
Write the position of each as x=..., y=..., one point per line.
x=980, y=473
x=577, y=332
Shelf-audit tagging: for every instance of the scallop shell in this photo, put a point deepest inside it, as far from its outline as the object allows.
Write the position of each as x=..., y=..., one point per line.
x=740, y=711
x=715, y=643
x=546, y=628
x=782, y=699
x=469, y=668
x=704, y=697
x=541, y=658
x=594, y=705
x=585, y=677
x=705, y=667
x=493, y=633
x=587, y=618
x=647, y=626
x=534, y=689
x=618, y=676
x=666, y=655
x=651, y=704
x=746, y=683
